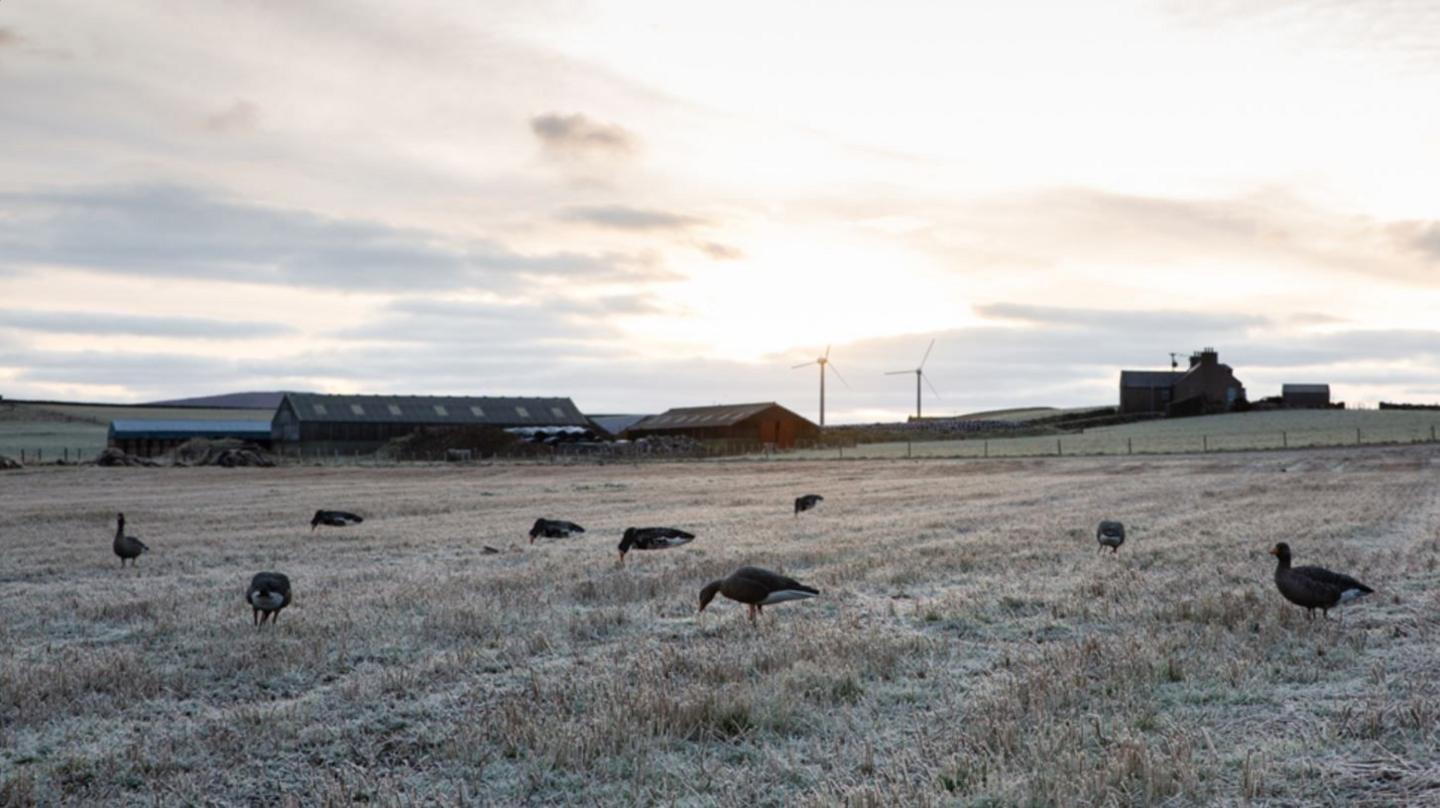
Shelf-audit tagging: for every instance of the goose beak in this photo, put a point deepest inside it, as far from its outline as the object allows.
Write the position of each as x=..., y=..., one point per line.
x=1274, y=552
x=622, y=558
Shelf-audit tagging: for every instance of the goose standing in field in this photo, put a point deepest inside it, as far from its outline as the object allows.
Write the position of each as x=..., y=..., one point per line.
x=127, y=546
x=807, y=502
x=334, y=519
x=1110, y=534
x=553, y=529
x=1314, y=587
x=269, y=592
x=756, y=588
x=652, y=538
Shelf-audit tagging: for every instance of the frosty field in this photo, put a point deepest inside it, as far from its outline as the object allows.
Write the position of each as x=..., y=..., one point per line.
x=970, y=646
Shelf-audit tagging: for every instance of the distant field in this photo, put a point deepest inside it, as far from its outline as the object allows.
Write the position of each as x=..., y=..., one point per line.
x=1258, y=430
x=80, y=429
x=1024, y=413
x=969, y=647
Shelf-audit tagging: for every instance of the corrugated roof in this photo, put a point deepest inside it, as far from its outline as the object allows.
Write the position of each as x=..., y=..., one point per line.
x=694, y=417
x=1305, y=388
x=189, y=429
x=492, y=410
x=1149, y=378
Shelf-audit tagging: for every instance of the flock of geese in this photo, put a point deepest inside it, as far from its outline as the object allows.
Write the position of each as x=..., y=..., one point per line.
x=269, y=592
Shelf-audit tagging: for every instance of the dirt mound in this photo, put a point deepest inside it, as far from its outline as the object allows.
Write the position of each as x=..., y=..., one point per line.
x=441, y=443
x=117, y=457
x=9, y=463
x=226, y=453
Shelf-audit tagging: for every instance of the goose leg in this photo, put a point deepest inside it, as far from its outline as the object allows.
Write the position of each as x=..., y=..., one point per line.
x=255, y=618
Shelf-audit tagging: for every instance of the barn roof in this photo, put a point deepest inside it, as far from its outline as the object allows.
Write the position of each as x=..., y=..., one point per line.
x=615, y=424
x=183, y=429
x=1149, y=378
x=1305, y=388
x=500, y=411
x=701, y=417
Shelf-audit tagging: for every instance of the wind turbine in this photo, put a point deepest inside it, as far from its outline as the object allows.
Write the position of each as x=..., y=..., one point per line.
x=919, y=374
x=823, y=362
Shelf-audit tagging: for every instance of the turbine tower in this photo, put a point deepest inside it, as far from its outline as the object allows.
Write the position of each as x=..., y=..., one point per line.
x=823, y=362
x=919, y=375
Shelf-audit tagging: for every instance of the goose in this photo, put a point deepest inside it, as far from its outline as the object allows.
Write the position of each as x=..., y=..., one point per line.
x=269, y=592
x=652, y=538
x=1314, y=587
x=807, y=502
x=127, y=546
x=756, y=588
x=553, y=529
x=1110, y=534
x=334, y=519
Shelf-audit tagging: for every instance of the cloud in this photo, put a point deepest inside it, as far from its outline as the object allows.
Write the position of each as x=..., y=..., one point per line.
x=108, y=324
x=720, y=252
x=578, y=137
x=620, y=217
x=1120, y=319
x=241, y=116
x=167, y=231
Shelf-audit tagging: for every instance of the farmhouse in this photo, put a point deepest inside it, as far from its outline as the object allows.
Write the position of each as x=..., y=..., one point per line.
x=150, y=438
x=313, y=422
x=763, y=423
x=1305, y=396
x=1206, y=387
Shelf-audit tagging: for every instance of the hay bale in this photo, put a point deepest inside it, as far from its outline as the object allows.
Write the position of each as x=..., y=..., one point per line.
x=226, y=452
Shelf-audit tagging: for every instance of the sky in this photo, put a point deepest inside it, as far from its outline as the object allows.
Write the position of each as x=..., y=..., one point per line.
x=651, y=204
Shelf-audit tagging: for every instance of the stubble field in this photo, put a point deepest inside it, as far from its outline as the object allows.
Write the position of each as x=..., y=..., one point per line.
x=970, y=646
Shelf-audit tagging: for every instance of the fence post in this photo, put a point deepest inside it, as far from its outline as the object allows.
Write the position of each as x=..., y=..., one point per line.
x=1204, y=443
x=22, y=455
x=907, y=447
x=67, y=454
x=1357, y=436
x=1058, y=450
x=1129, y=446
x=987, y=447
x=1432, y=433
x=1284, y=439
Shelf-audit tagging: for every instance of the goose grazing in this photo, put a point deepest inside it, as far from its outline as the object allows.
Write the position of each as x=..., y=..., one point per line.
x=334, y=519
x=807, y=502
x=1314, y=587
x=127, y=546
x=269, y=592
x=756, y=588
x=553, y=529
x=1110, y=534
x=652, y=538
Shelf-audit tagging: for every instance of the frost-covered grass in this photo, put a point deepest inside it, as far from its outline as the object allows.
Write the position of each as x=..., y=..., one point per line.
x=81, y=429
x=970, y=645
x=1233, y=432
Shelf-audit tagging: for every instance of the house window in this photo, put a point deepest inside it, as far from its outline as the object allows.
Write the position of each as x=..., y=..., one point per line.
x=357, y=409
x=440, y=410
x=320, y=409
x=522, y=412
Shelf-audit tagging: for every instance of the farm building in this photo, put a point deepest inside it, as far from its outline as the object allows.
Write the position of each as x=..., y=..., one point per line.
x=762, y=423
x=150, y=438
x=312, y=422
x=1206, y=387
x=1305, y=396
x=615, y=424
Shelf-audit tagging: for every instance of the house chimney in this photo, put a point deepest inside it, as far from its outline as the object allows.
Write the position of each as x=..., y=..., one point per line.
x=1205, y=356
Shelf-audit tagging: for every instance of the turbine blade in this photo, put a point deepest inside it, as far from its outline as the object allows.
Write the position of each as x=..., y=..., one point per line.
x=827, y=353
x=802, y=365
x=897, y=372
x=931, y=386
x=927, y=353
x=831, y=365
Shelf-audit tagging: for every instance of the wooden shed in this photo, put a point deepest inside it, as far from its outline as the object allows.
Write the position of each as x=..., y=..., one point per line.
x=1305, y=396
x=762, y=423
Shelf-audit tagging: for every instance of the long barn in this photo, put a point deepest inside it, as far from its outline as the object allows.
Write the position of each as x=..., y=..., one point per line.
x=319, y=423
x=761, y=423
